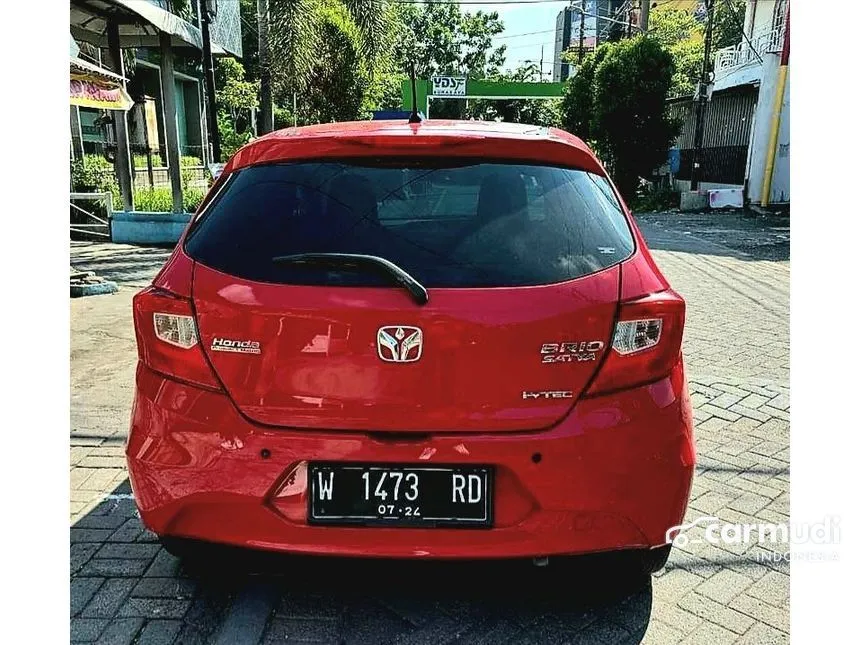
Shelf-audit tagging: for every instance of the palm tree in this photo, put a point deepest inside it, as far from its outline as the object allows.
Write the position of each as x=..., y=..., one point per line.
x=373, y=19
x=294, y=38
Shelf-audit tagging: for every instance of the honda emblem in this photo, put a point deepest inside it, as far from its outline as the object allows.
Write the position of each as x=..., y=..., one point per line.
x=399, y=344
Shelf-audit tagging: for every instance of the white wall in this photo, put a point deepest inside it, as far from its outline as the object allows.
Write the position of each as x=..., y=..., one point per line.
x=749, y=73
x=780, y=186
x=761, y=137
x=760, y=12
x=758, y=22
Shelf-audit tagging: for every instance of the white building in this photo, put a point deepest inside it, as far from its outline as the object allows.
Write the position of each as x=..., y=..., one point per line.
x=756, y=60
x=739, y=116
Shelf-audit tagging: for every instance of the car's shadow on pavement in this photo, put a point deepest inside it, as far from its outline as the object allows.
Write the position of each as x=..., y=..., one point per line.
x=125, y=264
x=123, y=579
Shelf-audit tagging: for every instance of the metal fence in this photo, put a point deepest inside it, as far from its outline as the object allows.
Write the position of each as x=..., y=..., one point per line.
x=728, y=127
x=746, y=52
x=89, y=215
x=150, y=170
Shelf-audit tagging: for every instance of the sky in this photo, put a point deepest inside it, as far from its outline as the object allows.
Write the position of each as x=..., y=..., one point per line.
x=529, y=18
x=525, y=19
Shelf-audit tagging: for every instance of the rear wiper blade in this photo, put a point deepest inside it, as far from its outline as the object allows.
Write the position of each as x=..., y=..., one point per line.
x=359, y=261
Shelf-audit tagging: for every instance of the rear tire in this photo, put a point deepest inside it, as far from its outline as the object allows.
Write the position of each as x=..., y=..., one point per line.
x=177, y=547
x=193, y=553
x=197, y=555
x=652, y=560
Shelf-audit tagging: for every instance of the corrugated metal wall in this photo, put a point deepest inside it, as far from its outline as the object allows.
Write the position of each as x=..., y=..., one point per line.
x=728, y=127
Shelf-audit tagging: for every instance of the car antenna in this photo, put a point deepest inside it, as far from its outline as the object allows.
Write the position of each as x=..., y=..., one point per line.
x=414, y=117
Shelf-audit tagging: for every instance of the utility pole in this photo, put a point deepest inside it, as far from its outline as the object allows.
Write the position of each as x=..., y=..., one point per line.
x=541, y=63
x=267, y=119
x=702, y=102
x=644, y=10
x=581, y=31
x=209, y=81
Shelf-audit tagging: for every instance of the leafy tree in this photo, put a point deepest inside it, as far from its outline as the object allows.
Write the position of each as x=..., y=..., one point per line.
x=619, y=105
x=728, y=23
x=384, y=91
x=339, y=76
x=373, y=18
x=250, y=39
x=283, y=117
x=682, y=36
x=359, y=50
x=334, y=56
x=441, y=39
x=235, y=98
x=293, y=43
x=576, y=105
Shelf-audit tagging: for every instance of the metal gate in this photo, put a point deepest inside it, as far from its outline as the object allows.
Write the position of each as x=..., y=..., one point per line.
x=729, y=119
x=89, y=218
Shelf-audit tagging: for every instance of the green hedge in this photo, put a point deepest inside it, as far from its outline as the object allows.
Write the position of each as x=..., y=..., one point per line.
x=95, y=173
x=160, y=199
x=139, y=161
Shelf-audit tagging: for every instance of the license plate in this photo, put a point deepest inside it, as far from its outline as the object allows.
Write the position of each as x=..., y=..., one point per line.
x=394, y=495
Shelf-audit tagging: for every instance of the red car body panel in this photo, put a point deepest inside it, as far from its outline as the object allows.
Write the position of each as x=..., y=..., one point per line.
x=319, y=366
x=615, y=473
x=468, y=139
x=226, y=460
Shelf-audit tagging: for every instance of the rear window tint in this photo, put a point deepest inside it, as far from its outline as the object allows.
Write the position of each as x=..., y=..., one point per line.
x=449, y=225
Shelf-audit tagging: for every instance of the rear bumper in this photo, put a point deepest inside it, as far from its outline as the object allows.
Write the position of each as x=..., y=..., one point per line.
x=616, y=473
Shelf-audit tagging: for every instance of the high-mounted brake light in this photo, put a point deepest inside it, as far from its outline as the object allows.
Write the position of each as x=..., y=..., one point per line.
x=646, y=344
x=167, y=338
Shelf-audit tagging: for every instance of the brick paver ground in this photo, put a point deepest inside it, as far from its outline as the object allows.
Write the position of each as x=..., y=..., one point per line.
x=126, y=589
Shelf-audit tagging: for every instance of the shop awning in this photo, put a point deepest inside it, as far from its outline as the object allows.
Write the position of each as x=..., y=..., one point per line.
x=95, y=87
x=139, y=24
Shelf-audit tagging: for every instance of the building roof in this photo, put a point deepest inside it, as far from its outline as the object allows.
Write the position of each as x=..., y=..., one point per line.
x=431, y=138
x=83, y=67
x=140, y=23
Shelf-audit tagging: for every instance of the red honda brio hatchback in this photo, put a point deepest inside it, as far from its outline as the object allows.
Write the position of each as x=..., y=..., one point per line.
x=412, y=340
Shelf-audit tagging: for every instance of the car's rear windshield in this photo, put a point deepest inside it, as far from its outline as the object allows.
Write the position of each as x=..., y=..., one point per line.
x=448, y=224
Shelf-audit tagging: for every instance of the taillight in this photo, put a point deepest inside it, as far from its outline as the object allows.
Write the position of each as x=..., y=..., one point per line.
x=175, y=329
x=167, y=338
x=646, y=343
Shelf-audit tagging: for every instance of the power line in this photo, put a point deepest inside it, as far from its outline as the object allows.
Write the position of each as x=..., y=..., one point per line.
x=531, y=33
x=527, y=33
x=521, y=45
x=738, y=22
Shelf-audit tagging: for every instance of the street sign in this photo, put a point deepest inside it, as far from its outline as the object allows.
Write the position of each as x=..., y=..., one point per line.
x=448, y=85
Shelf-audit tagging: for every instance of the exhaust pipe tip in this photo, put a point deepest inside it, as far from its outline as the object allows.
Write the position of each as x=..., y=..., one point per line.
x=540, y=562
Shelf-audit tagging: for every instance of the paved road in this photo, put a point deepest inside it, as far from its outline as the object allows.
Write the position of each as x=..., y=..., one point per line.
x=125, y=589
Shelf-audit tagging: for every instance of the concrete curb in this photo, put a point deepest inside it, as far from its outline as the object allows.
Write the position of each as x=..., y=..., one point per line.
x=148, y=228
x=95, y=289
